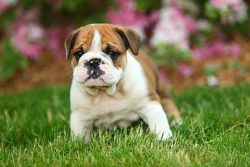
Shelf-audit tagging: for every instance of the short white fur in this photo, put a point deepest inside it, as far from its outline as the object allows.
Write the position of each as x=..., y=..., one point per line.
x=116, y=109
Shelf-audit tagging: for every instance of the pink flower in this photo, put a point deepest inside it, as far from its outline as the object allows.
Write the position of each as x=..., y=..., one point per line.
x=233, y=49
x=218, y=4
x=5, y=4
x=27, y=36
x=190, y=24
x=231, y=10
x=225, y=4
x=188, y=6
x=173, y=28
x=216, y=49
x=184, y=70
x=198, y=53
x=3, y=7
x=27, y=40
x=128, y=15
x=173, y=3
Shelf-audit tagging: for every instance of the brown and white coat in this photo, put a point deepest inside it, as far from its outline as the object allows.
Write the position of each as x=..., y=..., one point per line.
x=125, y=87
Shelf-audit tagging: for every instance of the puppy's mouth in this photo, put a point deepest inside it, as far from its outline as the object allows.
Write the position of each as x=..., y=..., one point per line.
x=96, y=82
x=97, y=77
x=104, y=87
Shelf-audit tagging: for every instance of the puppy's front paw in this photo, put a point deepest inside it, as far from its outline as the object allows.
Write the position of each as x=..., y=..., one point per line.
x=164, y=134
x=86, y=136
x=80, y=129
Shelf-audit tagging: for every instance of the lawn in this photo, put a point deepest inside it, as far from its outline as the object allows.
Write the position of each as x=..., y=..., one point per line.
x=34, y=130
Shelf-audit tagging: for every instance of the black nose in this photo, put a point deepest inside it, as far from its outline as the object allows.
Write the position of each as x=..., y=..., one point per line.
x=94, y=63
x=93, y=67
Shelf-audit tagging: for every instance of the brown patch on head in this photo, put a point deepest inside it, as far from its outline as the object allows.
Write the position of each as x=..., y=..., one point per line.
x=121, y=36
x=111, y=42
x=118, y=39
x=84, y=39
x=78, y=40
x=113, y=38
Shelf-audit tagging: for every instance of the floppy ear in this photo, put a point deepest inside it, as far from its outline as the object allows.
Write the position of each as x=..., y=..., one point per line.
x=130, y=38
x=70, y=42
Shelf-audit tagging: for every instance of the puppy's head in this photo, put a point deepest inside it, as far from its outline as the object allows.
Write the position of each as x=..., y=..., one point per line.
x=98, y=53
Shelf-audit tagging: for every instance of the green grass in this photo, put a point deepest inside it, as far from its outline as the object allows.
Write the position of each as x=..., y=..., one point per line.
x=34, y=130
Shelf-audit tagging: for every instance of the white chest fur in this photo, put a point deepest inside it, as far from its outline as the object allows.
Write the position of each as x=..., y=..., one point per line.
x=104, y=110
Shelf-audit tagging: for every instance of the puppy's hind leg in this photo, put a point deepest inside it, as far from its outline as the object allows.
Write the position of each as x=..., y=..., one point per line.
x=168, y=105
x=153, y=115
x=171, y=111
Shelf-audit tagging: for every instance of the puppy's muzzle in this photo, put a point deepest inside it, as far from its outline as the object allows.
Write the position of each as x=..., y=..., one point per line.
x=93, y=67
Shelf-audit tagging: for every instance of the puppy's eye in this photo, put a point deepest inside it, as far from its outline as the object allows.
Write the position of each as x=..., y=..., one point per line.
x=78, y=55
x=113, y=55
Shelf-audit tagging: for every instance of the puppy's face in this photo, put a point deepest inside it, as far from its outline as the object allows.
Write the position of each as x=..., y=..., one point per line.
x=98, y=53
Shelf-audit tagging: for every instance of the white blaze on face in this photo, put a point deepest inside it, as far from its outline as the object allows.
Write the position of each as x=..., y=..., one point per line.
x=96, y=43
x=111, y=74
x=94, y=50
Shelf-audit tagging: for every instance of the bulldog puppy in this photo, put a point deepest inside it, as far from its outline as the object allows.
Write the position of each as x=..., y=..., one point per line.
x=114, y=83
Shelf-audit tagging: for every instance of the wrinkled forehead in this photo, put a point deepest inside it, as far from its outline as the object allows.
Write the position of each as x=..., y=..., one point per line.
x=105, y=35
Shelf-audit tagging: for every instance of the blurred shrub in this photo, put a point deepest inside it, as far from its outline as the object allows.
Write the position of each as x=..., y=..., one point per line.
x=178, y=30
x=170, y=54
x=150, y=5
x=35, y=27
x=211, y=69
x=174, y=30
x=10, y=61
